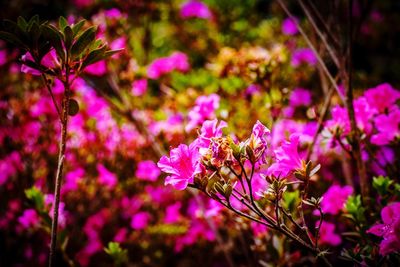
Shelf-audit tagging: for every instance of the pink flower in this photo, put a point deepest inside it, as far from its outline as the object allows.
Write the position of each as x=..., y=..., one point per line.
x=139, y=87
x=204, y=109
x=72, y=179
x=160, y=66
x=382, y=97
x=210, y=129
x=195, y=9
x=334, y=199
x=300, y=97
x=387, y=127
x=289, y=27
x=97, y=69
x=327, y=234
x=183, y=164
x=106, y=177
x=117, y=44
x=389, y=229
x=258, y=140
x=147, y=170
x=3, y=57
x=50, y=61
x=172, y=213
x=140, y=220
x=303, y=56
x=29, y=218
x=287, y=158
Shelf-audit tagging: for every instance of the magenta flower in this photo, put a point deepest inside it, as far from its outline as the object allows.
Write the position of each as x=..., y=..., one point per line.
x=139, y=87
x=97, y=69
x=258, y=140
x=389, y=229
x=172, y=214
x=106, y=177
x=300, y=97
x=210, y=129
x=289, y=27
x=29, y=218
x=287, y=158
x=388, y=127
x=334, y=199
x=204, y=109
x=160, y=66
x=382, y=97
x=147, y=171
x=182, y=165
x=303, y=56
x=327, y=234
x=195, y=9
x=140, y=220
x=50, y=61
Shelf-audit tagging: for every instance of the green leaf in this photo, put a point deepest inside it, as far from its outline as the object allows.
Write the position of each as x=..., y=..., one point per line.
x=55, y=38
x=11, y=38
x=354, y=207
x=315, y=170
x=118, y=254
x=83, y=41
x=62, y=23
x=77, y=27
x=382, y=184
x=22, y=24
x=94, y=56
x=68, y=37
x=36, y=196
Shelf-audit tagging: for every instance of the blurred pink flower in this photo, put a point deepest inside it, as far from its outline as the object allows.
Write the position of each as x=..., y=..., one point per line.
x=389, y=229
x=335, y=198
x=172, y=213
x=97, y=69
x=195, y=9
x=3, y=57
x=140, y=220
x=300, y=97
x=388, y=127
x=29, y=218
x=147, y=171
x=182, y=165
x=9, y=166
x=327, y=234
x=303, y=56
x=204, y=109
x=287, y=158
x=50, y=60
x=382, y=97
x=160, y=66
x=289, y=27
x=139, y=87
x=106, y=177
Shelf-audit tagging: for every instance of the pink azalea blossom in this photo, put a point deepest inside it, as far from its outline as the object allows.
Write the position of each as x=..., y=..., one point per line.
x=327, y=234
x=303, y=56
x=210, y=129
x=195, y=9
x=388, y=127
x=106, y=177
x=29, y=218
x=287, y=158
x=3, y=57
x=50, y=60
x=140, y=220
x=382, y=97
x=147, y=171
x=289, y=27
x=335, y=198
x=97, y=69
x=139, y=87
x=389, y=229
x=172, y=214
x=182, y=165
x=160, y=66
x=300, y=97
x=204, y=109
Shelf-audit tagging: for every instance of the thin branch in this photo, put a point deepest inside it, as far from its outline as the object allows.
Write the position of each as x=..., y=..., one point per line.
x=52, y=95
x=312, y=47
x=322, y=36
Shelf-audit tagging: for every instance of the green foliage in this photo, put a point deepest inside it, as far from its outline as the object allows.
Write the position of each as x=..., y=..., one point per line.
x=118, y=254
x=36, y=196
x=291, y=199
x=355, y=209
x=382, y=184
